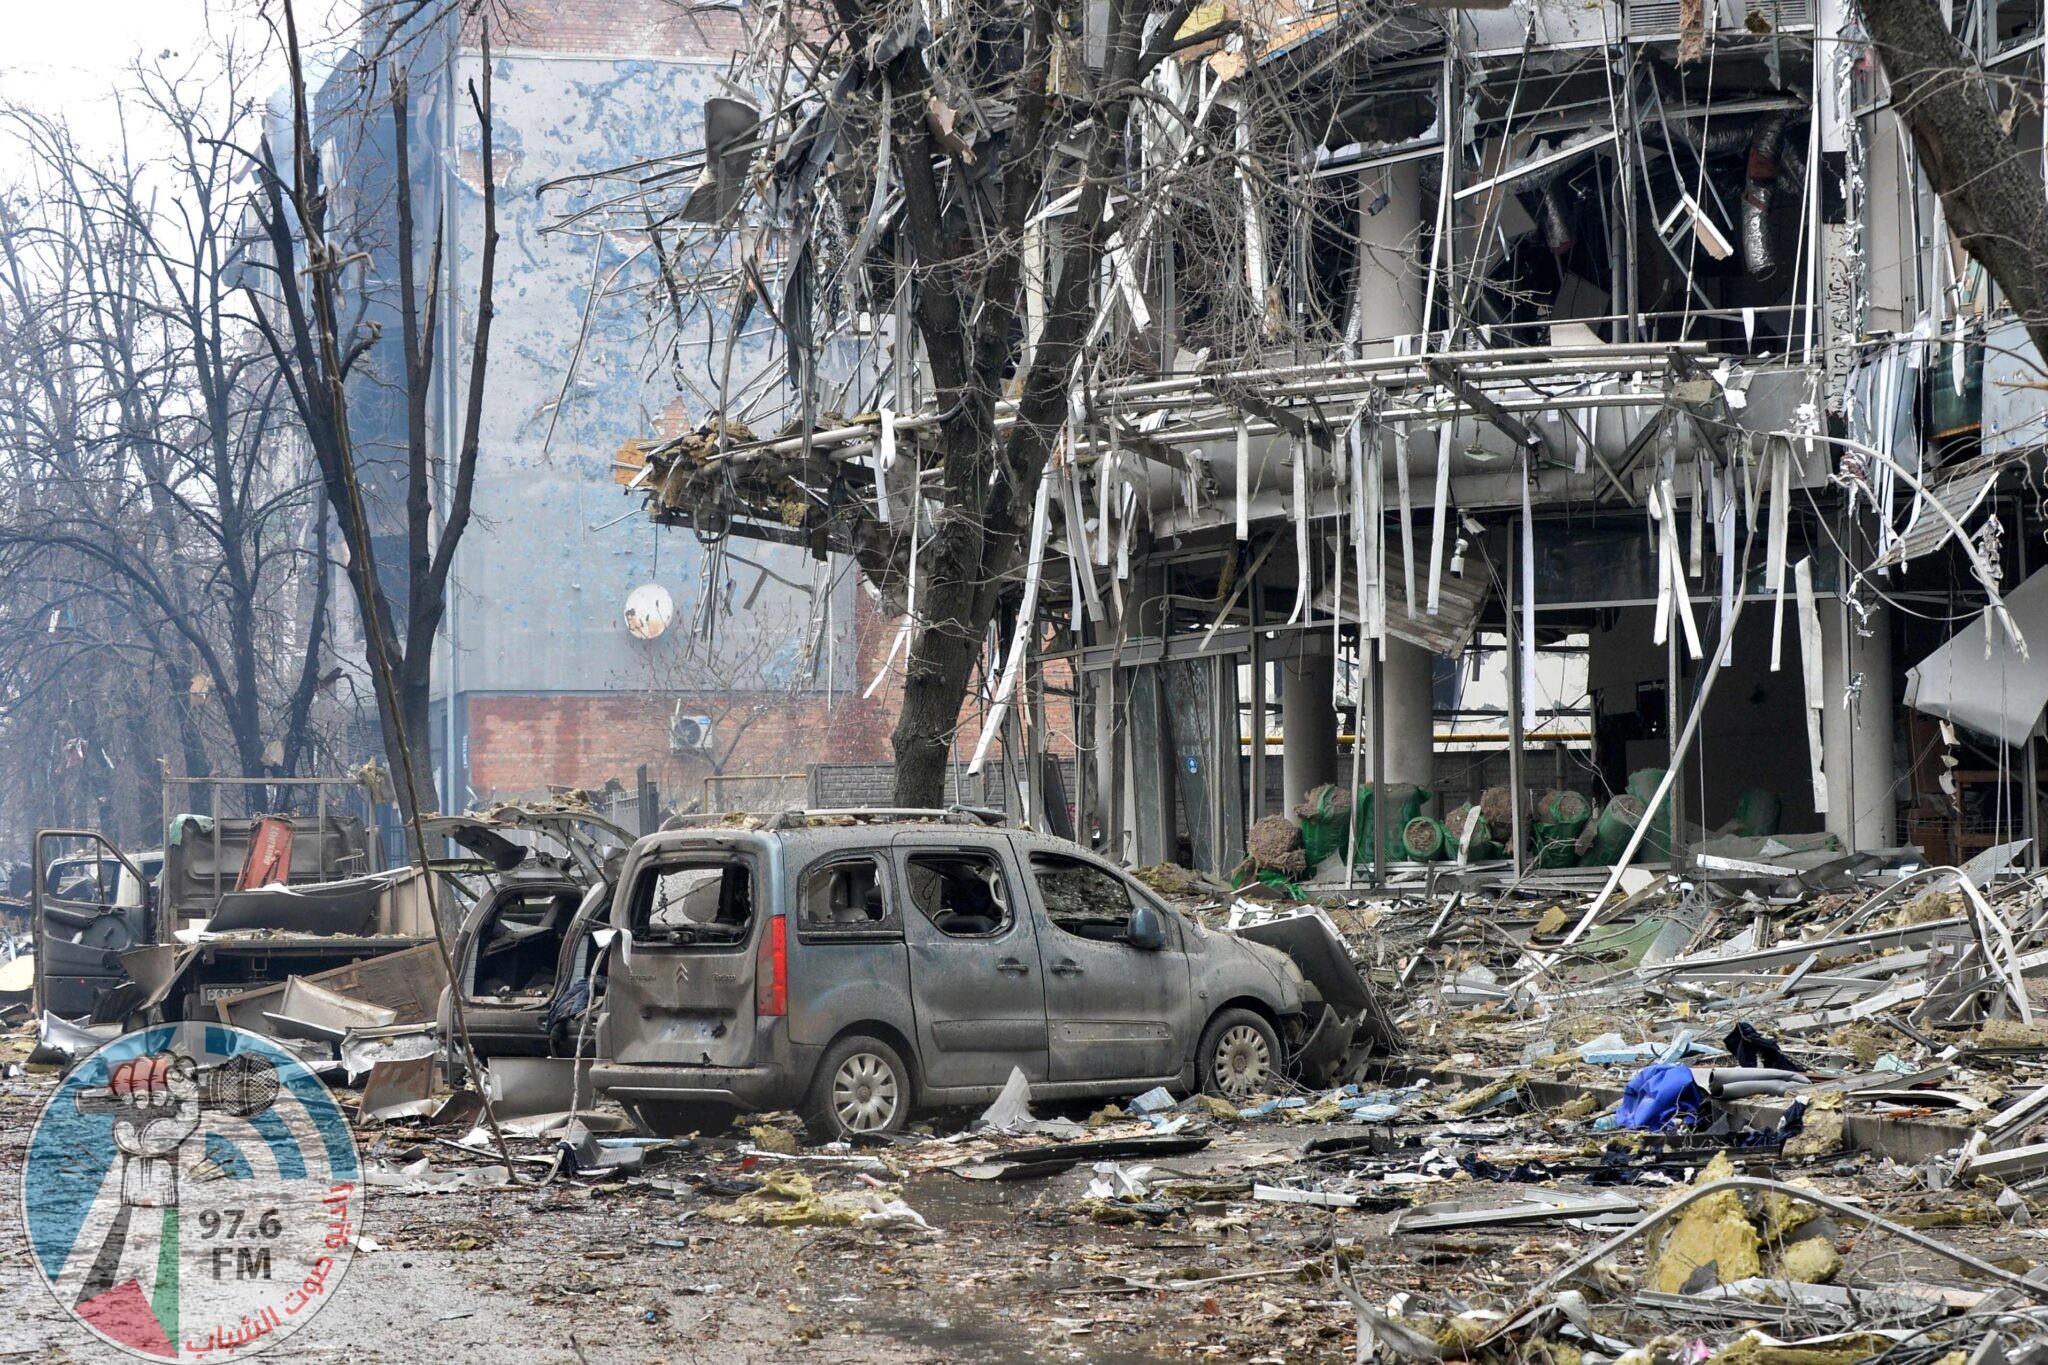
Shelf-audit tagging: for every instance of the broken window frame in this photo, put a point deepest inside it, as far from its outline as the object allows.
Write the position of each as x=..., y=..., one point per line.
x=1044, y=864
x=887, y=929
x=1005, y=894
x=641, y=910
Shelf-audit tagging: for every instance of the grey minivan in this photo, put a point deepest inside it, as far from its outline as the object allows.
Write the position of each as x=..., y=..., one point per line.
x=858, y=970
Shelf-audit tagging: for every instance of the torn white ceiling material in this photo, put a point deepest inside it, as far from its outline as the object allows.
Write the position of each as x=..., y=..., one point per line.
x=2000, y=695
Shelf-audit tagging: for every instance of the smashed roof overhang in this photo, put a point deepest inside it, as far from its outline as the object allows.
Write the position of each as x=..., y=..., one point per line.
x=1980, y=679
x=1585, y=408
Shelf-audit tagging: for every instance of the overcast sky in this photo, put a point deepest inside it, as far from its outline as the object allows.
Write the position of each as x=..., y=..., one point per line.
x=71, y=55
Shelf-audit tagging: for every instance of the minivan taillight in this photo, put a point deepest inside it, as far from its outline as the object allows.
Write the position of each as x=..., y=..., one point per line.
x=771, y=971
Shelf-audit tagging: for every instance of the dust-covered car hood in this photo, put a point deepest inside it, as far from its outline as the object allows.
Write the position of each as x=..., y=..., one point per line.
x=1287, y=975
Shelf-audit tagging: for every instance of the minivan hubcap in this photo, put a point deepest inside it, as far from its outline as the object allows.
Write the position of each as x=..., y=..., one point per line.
x=864, y=1093
x=1242, y=1060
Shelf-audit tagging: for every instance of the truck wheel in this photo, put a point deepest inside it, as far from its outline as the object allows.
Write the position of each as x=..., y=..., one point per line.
x=1239, y=1055
x=861, y=1086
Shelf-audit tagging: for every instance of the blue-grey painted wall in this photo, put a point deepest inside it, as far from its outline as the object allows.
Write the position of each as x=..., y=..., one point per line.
x=544, y=571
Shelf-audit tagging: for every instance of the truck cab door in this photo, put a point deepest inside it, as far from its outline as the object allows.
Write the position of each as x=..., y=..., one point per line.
x=977, y=989
x=80, y=928
x=1114, y=1011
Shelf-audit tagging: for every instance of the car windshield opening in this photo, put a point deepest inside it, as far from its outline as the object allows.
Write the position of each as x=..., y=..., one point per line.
x=703, y=901
x=522, y=944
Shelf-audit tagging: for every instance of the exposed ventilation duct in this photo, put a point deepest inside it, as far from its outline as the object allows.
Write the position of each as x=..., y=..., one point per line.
x=1759, y=257
x=1557, y=220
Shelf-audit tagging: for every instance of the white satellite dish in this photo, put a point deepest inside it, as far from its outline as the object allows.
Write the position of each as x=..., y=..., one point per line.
x=649, y=609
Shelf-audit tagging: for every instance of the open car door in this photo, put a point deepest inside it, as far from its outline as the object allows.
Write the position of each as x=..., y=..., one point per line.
x=528, y=939
x=581, y=845
x=509, y=958
x=84, y=918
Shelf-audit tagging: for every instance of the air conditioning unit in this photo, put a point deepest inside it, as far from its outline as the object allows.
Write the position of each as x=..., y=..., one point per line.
x=1665, y=18
x=688, y=734
x=1784, y=14
x=1653, y=18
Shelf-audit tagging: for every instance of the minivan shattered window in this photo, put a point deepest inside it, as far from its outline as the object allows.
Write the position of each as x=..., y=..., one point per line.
x=1083, y=899
x=695, y=902
x=846, y=897
x=960, y=893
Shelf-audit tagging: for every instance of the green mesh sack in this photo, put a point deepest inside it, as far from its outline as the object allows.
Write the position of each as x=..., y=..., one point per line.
x=1423, y=840
x=1484, y=848
x=1611, y=832
x=1756, y=813
x=1404, y=803
x=1278, y=880
x=1325, y=816
x=1560, y=818
x=1656, y=846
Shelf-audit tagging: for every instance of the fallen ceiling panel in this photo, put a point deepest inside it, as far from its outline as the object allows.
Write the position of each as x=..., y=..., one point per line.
x=1958, y=492
x=1460, y=599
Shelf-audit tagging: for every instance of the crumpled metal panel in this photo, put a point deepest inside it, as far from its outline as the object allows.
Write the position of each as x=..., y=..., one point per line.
x=1959, y=491
x=1459, y=601
x=2001, y=695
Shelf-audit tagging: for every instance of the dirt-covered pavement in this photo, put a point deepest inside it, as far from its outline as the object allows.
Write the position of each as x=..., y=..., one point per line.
x=1176, y=1258
x=636, y=1270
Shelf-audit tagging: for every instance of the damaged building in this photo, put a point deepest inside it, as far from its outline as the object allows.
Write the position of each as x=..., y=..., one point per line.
x=1589, y=402
x=550, y=672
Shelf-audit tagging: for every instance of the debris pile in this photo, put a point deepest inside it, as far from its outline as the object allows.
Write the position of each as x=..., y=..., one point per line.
x=1768, y=1104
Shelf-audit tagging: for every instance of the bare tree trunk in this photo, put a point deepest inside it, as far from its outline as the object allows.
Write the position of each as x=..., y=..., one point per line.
x=299, y=710
x=318, y=355
x=990, y=481
x=934, y=685
x=1990, y=186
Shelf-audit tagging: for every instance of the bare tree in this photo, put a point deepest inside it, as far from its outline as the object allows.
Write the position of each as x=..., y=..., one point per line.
x=318, y=341
x=1990, y=184
x=66, y=622
x=968, y=181
x=163, y=521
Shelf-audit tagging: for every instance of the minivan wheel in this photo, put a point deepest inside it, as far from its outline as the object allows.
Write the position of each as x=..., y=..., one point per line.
x=861, y=1086
x=1239, y=1055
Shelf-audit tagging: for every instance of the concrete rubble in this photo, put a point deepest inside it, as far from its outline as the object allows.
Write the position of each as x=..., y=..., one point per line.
x=1728, y=1117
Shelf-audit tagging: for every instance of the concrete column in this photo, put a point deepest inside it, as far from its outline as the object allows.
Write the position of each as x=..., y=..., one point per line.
x=1411, y=715
x=1389, y=273
x=1390, y=288
x=1142, y=777
x=1856, y=747
x=1309, y=757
